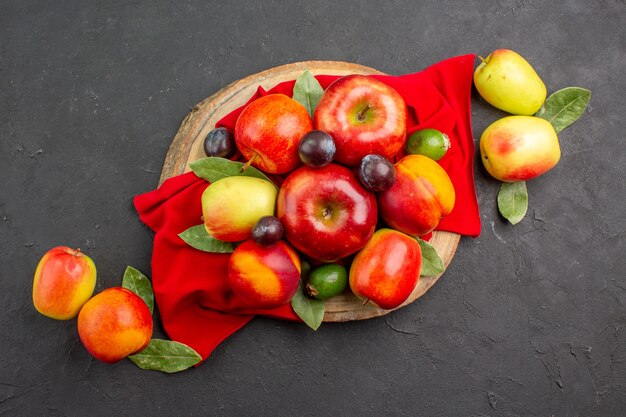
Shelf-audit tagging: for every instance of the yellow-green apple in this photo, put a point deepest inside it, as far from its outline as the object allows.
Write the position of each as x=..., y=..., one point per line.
x=114, y=324
x=519, y=148
x=422, y=195
x=64, y=280
x=508, y=82
x=387, y=269
x=364, y=116
x=268, y=131
x=326, y=212
x=231, y=206
x=264, y=276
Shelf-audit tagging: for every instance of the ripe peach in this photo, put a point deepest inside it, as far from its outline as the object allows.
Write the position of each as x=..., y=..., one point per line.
x=387, y=269
x=422, y=195
x=264, y=276
x=64, y=280
x=519, y=148
x=114, y=324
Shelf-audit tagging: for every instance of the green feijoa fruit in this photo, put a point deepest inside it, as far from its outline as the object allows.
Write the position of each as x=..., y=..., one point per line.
x=428, y=142
x=327, y=281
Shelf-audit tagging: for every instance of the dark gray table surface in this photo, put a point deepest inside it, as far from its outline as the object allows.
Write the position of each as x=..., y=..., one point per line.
x=527, y=321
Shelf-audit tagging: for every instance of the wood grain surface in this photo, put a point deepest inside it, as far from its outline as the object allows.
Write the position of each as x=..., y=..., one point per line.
x=187, y=147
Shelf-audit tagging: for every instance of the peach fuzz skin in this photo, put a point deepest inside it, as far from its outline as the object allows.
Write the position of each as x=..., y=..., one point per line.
x=114, y=324
x=264, y=276
x=422, y=195
x=64, y=280
x=519, y=148
x=268, y=131
x=387, y=269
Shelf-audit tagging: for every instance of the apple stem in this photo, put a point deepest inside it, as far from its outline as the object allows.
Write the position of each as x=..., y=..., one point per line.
x=367, y=300
x=247, y=164
x=482, y=59
x=361, y=115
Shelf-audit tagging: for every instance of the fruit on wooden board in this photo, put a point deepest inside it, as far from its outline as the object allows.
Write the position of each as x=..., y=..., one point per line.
x=114, y=324
x=64, y=280
x=507, y=81
x=326, y=213
x=264, y=276
x=364, y=116
x=387, y=269
x=327, y=281
x=422, y=195
x=519, y=148
x=268, y=131
x=231, y=206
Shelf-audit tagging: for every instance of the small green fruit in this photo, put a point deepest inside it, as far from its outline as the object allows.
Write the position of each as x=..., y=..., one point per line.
x=327, y=281
x=428, y=142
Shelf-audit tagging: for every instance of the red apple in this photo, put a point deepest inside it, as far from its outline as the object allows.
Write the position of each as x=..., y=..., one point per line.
x=64, y=280
x=264, y=276
x=364, y=116
x=326, y=213
x=268, y=132
x=387, y=269
x=114, y=324
x=422, y=195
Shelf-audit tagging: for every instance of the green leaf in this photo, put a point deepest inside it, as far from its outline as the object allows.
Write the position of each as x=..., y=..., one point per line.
x=166, y=356
x=198, y=238
x=432, y=264
x=213, y=169
x=513, y=201
x=307, y=91
x=564, y=107
x=140, y=285
x=310, y=310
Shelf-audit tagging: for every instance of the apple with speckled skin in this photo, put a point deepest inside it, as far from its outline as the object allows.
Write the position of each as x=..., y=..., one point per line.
x=422, y=195
x=64, y=280
x=326, y=212
x=519, y=148
x=268, y=131
x=387, y=269
x=232, y=206
x=364, y=116
x=264, y=276
x=114, y=324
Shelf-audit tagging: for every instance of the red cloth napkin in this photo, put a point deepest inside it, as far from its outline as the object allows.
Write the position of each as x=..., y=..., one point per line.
x=196, y=305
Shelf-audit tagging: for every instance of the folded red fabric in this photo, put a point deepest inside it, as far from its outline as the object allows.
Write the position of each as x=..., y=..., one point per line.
x=195, y=303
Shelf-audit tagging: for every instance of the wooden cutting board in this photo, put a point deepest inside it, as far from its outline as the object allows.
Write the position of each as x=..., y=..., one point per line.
x=187, y=146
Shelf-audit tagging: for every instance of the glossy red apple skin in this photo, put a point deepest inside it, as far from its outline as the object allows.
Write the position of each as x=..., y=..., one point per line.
x=364, y=116
x=326, y=212
x=387, y=269
x=269, y=130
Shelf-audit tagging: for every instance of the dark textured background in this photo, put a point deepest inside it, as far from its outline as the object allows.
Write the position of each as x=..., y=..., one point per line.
x=528, y=320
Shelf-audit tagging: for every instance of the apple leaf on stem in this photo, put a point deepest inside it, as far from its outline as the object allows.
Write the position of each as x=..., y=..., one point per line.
x=307, y=91
x=166, y=356
x=310, y=310
x=564, y=107
x=140, y=285
x=432, y=264
x=214, y=168
x=198, y=238
x=513, y=201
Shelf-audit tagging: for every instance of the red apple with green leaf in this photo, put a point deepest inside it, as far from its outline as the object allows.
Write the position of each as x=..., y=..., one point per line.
x=268, y=130
x=364, y=116
x=326, y=213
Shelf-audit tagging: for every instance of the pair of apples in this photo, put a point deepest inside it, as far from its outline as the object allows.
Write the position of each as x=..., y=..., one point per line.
x=521, y=147
x=112, y=325
x=326, y=212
